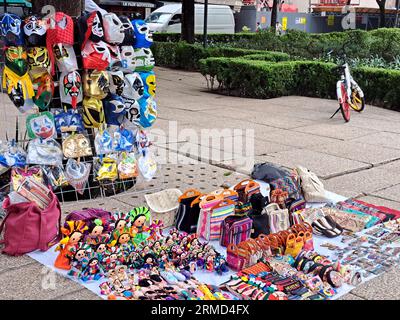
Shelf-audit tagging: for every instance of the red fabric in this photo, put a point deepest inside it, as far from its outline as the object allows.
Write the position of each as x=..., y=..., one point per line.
x=59, y=34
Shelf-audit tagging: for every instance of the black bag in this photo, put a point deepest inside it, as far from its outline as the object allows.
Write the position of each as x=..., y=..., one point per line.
x=268, y=172
x=260, y=221
x=188, y=212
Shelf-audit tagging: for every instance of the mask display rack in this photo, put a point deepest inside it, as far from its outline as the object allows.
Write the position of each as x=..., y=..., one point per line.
x=93, y=188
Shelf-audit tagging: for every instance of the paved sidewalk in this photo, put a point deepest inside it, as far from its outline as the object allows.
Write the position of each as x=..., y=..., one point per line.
x=360, y=158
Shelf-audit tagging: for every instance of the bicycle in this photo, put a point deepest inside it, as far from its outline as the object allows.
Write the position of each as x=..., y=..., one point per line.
x=349, y=93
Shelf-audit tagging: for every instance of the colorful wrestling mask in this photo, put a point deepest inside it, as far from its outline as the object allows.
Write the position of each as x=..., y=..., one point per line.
x=44, y=90
x=35, y=30
x=144, y=60
x=148, y=112
x=117, y=82
x=11, y=29
x=16, y=60
x=96, y=84
x=38, y=61
x=76, y=146
x=144, y=38
x=44, y=152
x=96, y=55
x=40, y=125
x=77, y=174
x=114, y=31
x=71, y=88
x=93, y=113
x=69, y=120
x=128, y=59
x=149, y=82
x=114, y=110
x=129, y=38
x=65, y=57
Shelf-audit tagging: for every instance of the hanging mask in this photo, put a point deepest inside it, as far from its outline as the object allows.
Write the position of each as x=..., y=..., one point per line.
x=96, y=55
x=96, y=84
x=134, y=88
x=129, y=38
x=93, y=113
x=55, y=176
x=40, y=125
x=77, y=174
x=67, y=121
x=144, y=38
x=71, y=88
x=114, y=110
x=115, y=56
x=147, y=166
x=44, y=152
x=128, y=59
x=90, y=27
x=19, y=89
x=103, y=142
x=127, y=166
x=44, y=91
x=35, y=30
x=38, y=61
x=16, y=60
x=148, y=112
x=132, y=110
x=114, y=31
x=65, y=57
x=13, y=155
x=142, y=141
x=116, y=82
x=11, y=29
x=76, y=146
x=123, y=140
x=144, y=59
x=106, y=169
x=149, y=81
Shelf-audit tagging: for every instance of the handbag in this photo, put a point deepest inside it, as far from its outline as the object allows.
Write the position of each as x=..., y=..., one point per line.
x=235, y=229
x=260, y=224
x=245, y=189
x=236, y=258
x=187, y=215
x=278, y=218
x=312, y=187
x=206, y=204
x=216, y=216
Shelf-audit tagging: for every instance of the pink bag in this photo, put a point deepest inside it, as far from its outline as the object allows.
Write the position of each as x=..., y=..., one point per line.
x=27, y=228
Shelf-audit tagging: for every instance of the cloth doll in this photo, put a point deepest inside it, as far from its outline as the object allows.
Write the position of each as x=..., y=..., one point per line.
x=139, y=216
x=91, y=268
x=79, y=253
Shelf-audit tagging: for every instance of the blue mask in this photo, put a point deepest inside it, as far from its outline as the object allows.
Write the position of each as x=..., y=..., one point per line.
x=70, y=120
x=114, y=109
x=125, y=140
x=149, y=83
x=11, y=29
x=144, y=39
x=148, y=112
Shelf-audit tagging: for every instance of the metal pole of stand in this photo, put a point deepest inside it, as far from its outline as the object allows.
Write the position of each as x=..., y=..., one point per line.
x=5, y=6
x=205, y=23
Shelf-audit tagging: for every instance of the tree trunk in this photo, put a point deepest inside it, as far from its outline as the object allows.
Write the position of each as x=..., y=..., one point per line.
x=71, y=7
x=188, y=21
x=274, y=14
x=382, y=20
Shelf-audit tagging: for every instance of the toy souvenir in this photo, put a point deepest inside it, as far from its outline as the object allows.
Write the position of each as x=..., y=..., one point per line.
x=127, y=166
x=12, y=155
x=67, y=121
x=96, y=228
x=93, y=113
x=65, y=57
x=96, y=84
x=55, y=176
x=134, y=87
x=144, y=60
x=100, y=244
x=147, y=166
x=120, y=221
x=11, y=29
x=96, y=55
x=61, y=30
x=35, y=30
x=76, y=146
x=139, y=216
x=78, y=254
x=134, y=260
x=40, y=125
x=149, y=261
x=16, y=60
x=117, y=82
x=71, y=88
x=77, y=174
x=114, y=31
x=144, y=38
x=148, y=112
x=91, y=268
x=132, y=112
x=38, y=61
x=121, y=237
x=106, y=169
x=44, y=90
x=128, y=59
x=19, y=89
x=73, y=233
x=142, y=142
x=114, y=110
x=149, y=82
x=129, y=35
x=44, y=152
x=103, y=142
x=90, y=27
x=123, y=140
x=112, y=258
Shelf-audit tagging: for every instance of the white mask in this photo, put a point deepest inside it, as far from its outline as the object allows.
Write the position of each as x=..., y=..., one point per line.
x=114, y=31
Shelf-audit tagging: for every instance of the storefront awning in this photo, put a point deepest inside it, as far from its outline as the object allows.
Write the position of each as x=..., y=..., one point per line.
x=138, y=4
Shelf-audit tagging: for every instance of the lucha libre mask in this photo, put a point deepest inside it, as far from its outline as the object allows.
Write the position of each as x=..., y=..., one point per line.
x=149, y=82
x=134, y=88
x=129, y=38
x=44, y=90
x=144, y=59
x=69, y=120
x=76, y=146
x=77, y=174
x=115, y=54
x=113, y=29
x=35, y=31
x=148, y=112
x=96, y=55
x=11, y=29
x=90, y=26
x=71, y=88
x=114, y=109
x=128, y=58
x=65, y=57
x=132, y=110
x=96, y=84
x=40, y=125
x=93, y=113
x=143, y=36
x=116, y=82
x=16, y=60
x=38, y=61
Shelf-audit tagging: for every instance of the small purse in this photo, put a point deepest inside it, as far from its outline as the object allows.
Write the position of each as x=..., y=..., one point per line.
x=278, y=218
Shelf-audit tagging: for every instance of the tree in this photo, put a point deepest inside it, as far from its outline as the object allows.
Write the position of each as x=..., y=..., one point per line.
x=274, y=14
x=70, y=7
x=382, y=20
x=188, y=21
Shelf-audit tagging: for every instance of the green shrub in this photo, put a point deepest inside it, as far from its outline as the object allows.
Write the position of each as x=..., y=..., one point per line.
x=268, y=56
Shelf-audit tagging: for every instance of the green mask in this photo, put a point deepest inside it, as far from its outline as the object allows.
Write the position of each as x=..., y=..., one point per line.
x=16, y=60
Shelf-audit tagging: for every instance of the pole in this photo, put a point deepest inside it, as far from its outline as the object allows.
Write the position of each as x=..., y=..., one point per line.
x=5, y=6
x=396, y=23
x=205, y=22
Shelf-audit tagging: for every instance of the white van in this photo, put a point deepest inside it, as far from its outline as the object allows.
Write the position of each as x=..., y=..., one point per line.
x=168, y=19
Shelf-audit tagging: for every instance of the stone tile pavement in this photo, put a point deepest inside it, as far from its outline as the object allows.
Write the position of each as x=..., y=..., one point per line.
x=360, y=158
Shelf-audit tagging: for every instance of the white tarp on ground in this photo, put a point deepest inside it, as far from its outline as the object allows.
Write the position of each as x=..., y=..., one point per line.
x=47, y=258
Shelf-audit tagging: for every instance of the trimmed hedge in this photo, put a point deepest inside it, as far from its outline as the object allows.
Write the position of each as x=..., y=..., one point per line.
x=186, y=56
x=263, y=79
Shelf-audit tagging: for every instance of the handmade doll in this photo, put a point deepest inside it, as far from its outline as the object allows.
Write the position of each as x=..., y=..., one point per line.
x=156, y=247
x=221, y=265
x=105, y=288
x=134, y=260
x=121, y=237
x=100, y=244
x=121, y=272
x=79, y=254
x=139, y=216
x=73, y=233
x=174, y=234
x=146, y=250
x=200, y=260
x=91, y=268
x=210, y=262
x=149, y=261
x=95, y=231
x=156, y=230
x=169, y=242
x=112, y=258
x=120, y=221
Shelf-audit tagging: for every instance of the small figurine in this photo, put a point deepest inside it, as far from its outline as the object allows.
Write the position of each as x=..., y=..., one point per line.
x=149, y=261
x=79, y=253
x=156, y=230
x=210, y=262
x=120, y=222
x=112, y=258
x=139, y=216
x=95, y=230
x=221, y=265
x=91, y=268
